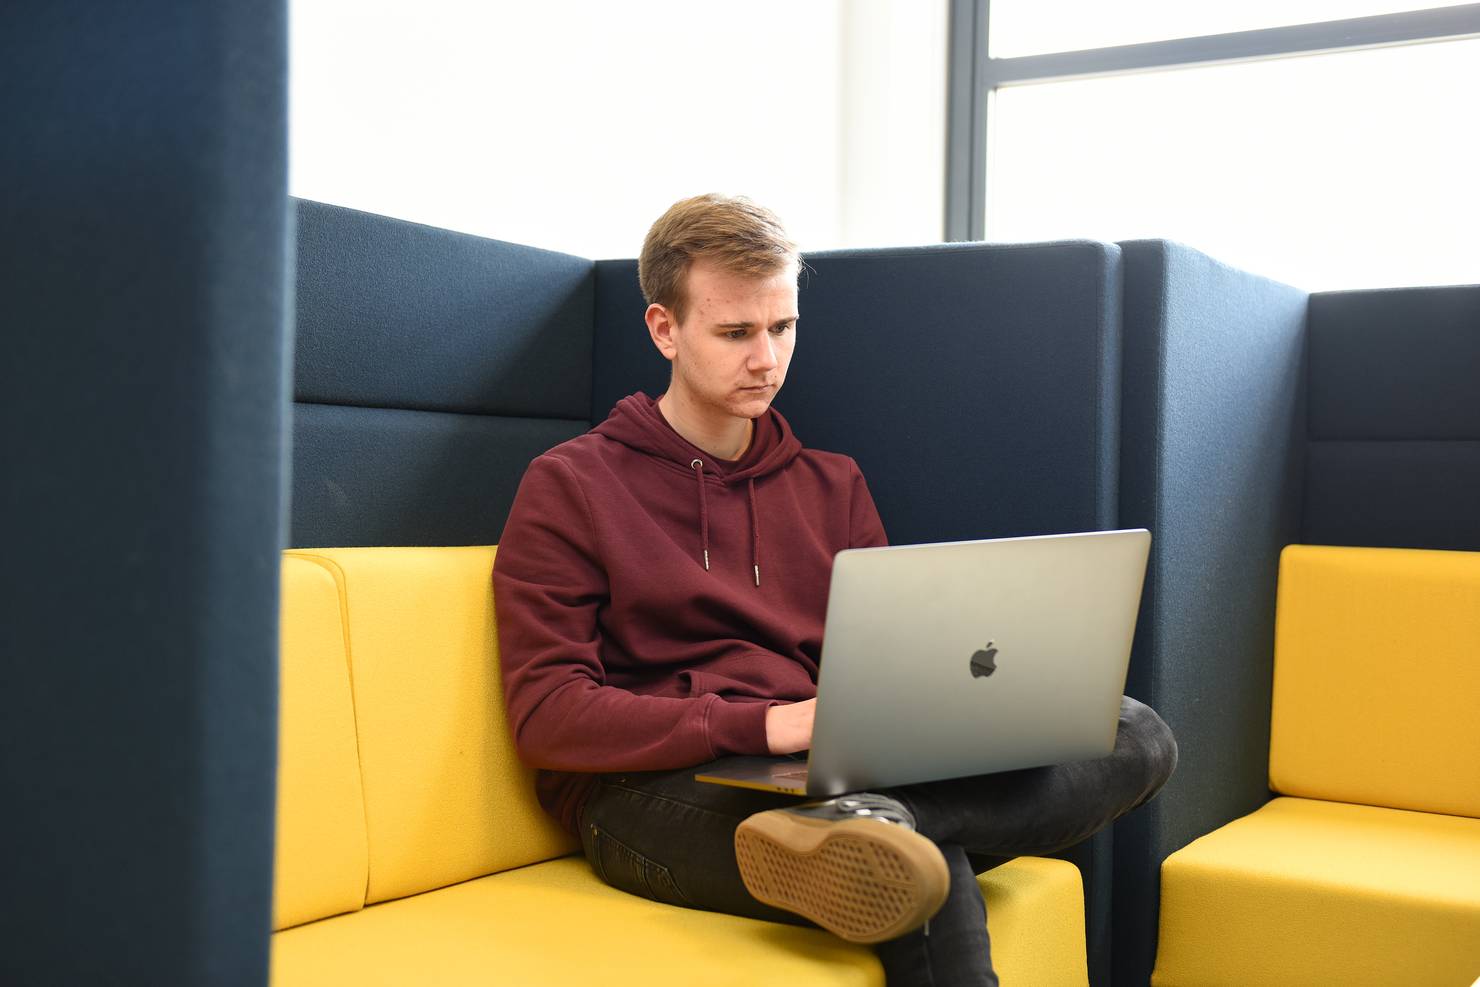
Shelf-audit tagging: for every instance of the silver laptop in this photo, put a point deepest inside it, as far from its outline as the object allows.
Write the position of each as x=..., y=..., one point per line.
x=965, y=658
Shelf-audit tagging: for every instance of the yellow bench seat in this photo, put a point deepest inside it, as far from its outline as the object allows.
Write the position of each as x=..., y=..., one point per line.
x=411, y=849
x=1304, y=891
x=556, y=923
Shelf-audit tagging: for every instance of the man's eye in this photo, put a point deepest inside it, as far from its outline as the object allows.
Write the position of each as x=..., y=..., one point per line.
x=781, y=329
x=735, y=334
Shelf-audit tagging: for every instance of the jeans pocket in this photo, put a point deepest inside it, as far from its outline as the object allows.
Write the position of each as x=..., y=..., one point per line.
x=622, y=867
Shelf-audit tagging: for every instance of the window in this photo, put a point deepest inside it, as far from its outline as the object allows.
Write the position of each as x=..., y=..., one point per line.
x=1275, y=151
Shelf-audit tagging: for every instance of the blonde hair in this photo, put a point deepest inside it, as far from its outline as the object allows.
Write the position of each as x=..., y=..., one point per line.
x=736, y=234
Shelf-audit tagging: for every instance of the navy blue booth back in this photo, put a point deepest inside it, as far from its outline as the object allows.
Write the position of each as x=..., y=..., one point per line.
x=432, y=366
x=976, y=385
x=1395, y=418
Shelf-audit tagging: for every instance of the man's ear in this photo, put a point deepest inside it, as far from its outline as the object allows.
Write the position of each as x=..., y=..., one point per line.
x=661, y=325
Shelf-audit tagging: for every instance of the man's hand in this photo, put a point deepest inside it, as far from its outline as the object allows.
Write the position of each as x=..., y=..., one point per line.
x=789, y=727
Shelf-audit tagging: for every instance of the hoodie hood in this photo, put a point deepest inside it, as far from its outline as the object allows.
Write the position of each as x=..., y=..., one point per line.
x=637, y=423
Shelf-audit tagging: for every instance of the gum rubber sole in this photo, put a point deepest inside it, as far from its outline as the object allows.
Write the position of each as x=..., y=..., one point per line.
x=861, y=879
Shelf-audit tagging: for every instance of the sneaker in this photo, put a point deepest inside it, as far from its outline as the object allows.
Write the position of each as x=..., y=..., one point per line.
x=852, y=864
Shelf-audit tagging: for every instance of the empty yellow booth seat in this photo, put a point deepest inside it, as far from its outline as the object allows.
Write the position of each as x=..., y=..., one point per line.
x=1368, y=872
x=411, y=849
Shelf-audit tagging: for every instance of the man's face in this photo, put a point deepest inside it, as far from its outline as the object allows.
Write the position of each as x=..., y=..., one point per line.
x=732, y=349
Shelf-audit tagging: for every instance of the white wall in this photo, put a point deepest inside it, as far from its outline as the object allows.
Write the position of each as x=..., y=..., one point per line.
x=893, y=109
x=574, y=125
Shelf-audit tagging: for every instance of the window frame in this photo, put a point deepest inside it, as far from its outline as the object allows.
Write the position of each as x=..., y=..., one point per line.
x=973, y=77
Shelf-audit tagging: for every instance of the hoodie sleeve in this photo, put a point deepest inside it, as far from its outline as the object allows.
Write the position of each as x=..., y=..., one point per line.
x=548, y=585
x=865, y=529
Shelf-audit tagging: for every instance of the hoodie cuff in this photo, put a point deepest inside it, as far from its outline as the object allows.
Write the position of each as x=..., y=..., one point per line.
x=738, y=728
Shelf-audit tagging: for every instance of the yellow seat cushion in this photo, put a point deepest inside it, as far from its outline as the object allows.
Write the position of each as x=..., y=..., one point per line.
x=556, y=923
x=1035, y=917
x=446, y=797
x=1377, y=678
x=322, y=857
x=1319, y=893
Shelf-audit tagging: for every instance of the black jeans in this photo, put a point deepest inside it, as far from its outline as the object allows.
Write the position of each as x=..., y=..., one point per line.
x=665, y=836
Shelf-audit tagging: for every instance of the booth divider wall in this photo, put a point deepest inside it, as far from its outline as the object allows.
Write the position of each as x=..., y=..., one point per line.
x=1212, y=443
x=146, y=253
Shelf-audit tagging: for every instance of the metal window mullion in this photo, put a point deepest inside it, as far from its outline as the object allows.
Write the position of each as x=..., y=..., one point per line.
x=966, y=122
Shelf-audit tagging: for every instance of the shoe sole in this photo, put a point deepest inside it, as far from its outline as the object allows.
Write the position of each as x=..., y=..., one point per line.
x=864, y=880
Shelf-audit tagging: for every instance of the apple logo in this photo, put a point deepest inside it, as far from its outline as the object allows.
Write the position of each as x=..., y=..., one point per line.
x=984, y=662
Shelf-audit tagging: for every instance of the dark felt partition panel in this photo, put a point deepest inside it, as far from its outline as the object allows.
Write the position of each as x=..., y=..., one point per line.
x=432, y=367
x=1401, y=363
x=1393, y=494
x=146, y=243
x=1212, y=439
x=624, y=359
x=393, y=314
x=374, y=476
x=1395, y=418
x=977, y=385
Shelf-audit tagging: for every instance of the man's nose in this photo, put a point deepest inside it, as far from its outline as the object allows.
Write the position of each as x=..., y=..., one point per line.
x=763, y=355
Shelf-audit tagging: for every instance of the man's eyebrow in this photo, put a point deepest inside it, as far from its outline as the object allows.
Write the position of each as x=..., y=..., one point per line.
x=751, y=325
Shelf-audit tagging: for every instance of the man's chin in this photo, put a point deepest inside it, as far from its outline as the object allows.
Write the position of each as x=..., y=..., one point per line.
x=748, y=406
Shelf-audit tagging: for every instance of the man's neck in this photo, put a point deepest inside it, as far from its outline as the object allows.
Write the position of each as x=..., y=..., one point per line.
x=723, y=437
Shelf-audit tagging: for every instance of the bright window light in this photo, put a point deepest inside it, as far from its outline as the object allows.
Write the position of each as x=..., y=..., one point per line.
x=1345, y=170
x=1035, y=27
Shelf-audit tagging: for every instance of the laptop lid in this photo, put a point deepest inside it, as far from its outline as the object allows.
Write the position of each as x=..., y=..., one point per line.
x=965, y=658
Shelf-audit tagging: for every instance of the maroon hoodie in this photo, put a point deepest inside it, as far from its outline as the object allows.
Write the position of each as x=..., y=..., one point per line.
x=653, y=602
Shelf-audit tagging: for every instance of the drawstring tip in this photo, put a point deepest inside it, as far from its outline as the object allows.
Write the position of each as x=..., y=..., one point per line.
x=757, y=575
x=706, y=560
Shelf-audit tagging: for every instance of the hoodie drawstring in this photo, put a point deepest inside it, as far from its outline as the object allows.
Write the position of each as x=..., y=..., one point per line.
x=698, y=466
x=755, y=534
x=755, y=525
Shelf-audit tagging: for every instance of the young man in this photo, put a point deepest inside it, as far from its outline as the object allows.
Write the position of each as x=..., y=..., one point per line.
x=661, y=588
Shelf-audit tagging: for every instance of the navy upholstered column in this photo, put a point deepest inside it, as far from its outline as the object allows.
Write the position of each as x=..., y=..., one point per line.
x=146, y=343
x=1212, y=443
